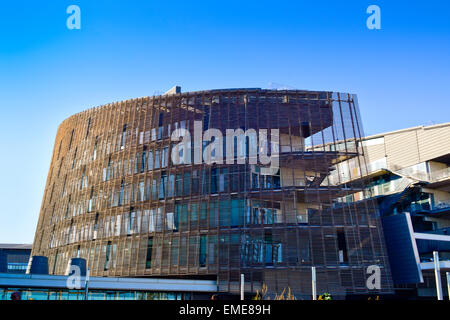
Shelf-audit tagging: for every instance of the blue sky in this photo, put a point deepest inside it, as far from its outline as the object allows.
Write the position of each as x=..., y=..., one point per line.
x=128, y=49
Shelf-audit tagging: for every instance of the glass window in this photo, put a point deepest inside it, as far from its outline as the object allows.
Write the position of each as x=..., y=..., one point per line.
x=164, y=157
x=107, y=255
x=157, y=159
x=178, y=184
x=145, y=221
x=154, y=189
x=94, y=153
x=131, y=222
x=152, y=220
x=123, y=137
x=71, y=139
x=162, y=186
x=148, y=261
x=202, y=254
x=150, y=160
x=108, y=170
x=187, y=184
x=194, y=216
x=127, y=295
x=141, y=191
x=121, y=194
x=236, y=212
x=171, y=186
x=213, y=214
x=171, y=221
x=143, y=164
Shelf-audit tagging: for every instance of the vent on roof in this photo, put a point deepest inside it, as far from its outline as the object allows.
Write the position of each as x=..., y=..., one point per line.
x=79, y=263
x=174, y=90
x=38, y=265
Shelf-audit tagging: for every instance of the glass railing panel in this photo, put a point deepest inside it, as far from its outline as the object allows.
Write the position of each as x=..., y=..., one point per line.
x=440, y=175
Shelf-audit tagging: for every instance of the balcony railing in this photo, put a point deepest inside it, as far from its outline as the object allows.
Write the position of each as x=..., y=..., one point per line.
x=441, y=231
x=390, y=187
x=442, y=205
x=443, y=256
x=425, y=207
x=440, y=175
x=419, y=175
x=347, y=173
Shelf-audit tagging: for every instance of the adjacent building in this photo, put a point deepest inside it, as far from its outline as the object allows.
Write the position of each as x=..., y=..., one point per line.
x=410, y=179
x=213, y=184
x=14, y=257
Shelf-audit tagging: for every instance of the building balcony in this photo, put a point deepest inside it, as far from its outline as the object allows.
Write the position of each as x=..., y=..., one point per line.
x=428, y=242
x=354, y=174
x=440, y=179
x=442, y=209
x=440, y=175
x=317, y=161
x=303, y=194
x=444, y=265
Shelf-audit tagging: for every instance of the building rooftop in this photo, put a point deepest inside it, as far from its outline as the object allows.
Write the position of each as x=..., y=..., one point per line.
x=109, y=283
x=433, y=126
x=20, y=246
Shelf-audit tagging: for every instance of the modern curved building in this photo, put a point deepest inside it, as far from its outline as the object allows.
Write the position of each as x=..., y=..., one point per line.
x=215, y=184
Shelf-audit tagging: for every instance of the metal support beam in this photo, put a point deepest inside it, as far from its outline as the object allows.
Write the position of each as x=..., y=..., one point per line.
x=437, y=274
x=242, y=286
x=448, y=284
x=86, y=286
x=313, y=277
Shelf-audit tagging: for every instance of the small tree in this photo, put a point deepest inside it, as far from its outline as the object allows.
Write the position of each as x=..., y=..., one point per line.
x=260, y=295
x=325, y=296
x=289, y=295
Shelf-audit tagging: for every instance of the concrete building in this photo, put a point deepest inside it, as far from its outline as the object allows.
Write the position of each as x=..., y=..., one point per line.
x=14, y=257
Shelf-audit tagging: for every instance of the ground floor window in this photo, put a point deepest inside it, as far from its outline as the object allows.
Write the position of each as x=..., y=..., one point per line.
x=66, y=294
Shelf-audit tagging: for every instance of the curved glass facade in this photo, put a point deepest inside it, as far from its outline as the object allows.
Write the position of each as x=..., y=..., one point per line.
x=214, y=184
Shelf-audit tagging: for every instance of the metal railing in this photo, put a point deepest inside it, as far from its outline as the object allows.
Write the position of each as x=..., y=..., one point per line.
x=346, y=174
x=440, y=175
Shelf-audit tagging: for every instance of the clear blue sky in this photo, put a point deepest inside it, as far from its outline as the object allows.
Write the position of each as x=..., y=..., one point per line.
x=129, y=49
